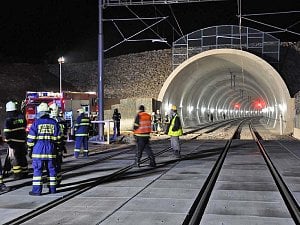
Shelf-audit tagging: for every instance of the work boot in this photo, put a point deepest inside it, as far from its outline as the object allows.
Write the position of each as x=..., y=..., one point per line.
x=17, y=176
x=152, y=162
x=34, y=194
x=3, y=188
x=137, y=164
x=177, y=154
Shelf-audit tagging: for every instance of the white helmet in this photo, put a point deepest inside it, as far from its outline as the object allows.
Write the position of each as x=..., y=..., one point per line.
x=54, y=109
x=43, y=107
x=11, y=106
x=80, y=111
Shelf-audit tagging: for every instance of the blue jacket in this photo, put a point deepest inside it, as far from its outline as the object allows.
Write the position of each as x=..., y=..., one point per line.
x=82, y=126
x=43, y=138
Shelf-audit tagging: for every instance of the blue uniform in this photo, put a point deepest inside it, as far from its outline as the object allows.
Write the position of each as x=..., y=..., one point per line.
x=82, y=128
x=42, y=140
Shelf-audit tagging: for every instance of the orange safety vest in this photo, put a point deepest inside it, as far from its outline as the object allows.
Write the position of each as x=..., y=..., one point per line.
x=145, y=124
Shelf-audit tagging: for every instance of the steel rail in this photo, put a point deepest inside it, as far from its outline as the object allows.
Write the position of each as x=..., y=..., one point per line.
x=196, y=212
x=287, y=196
x=91, y=184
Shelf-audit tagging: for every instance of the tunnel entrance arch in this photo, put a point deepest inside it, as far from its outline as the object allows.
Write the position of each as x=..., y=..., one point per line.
x=230, y=83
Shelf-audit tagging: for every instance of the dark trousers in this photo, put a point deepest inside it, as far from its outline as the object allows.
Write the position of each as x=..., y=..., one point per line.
x=117, y=127
x=19, y=160
x=143, y=143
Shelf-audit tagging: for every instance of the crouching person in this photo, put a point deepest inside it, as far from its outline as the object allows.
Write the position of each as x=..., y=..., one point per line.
x=42, y=140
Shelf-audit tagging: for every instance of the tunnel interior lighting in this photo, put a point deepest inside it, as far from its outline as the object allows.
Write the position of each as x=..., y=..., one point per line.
x=190, y=108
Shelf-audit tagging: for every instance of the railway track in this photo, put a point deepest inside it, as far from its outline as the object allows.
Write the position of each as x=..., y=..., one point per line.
x=195, y=150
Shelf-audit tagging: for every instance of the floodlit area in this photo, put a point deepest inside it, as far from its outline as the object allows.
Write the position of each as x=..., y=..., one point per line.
x=228, y=83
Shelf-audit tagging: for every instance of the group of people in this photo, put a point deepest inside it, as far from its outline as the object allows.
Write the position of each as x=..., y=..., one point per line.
x=45, y=141
x=44, y=144
x=142, y=129
x=159, y=123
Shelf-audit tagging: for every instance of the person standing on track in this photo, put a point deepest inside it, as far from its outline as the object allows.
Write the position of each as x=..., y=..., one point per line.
x=175, y=130
x=142, y=130
x=116, y=118
x=43, y=140
x=82, y=128
x=15, y=136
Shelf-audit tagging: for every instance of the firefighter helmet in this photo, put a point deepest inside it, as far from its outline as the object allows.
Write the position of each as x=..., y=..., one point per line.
x=11, y=106
x=53, y=109
x=43, y=107
x=80, y=111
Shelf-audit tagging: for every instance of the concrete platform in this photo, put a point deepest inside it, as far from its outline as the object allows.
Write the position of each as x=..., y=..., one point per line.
x=244, y=194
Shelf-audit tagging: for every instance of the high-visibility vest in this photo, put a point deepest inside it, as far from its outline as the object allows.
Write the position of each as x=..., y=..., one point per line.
x=144, y=124
x=178, y=132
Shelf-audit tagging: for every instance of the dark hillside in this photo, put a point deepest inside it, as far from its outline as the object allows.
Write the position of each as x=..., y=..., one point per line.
x=125, y=76
x=17, y=78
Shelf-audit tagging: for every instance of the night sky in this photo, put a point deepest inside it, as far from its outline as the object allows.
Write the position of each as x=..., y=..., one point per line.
x=41, y=30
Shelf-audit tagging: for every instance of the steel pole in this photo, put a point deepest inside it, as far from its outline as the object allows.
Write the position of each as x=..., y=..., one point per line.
x=60, y=77
x=100, y=75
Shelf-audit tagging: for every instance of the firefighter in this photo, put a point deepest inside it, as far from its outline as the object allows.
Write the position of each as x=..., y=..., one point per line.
x=15, y=136
x=175, y=130
x=142, y=130
x=42, y=140
x=81, y=128
x=62, y=145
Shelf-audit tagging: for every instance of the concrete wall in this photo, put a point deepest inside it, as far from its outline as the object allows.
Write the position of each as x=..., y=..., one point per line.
x=296, y=133
x=129, y=108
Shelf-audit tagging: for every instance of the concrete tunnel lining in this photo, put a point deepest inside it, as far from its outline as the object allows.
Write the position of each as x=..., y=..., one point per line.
x=202, y=84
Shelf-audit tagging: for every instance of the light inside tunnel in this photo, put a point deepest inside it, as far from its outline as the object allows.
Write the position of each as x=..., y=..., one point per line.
x=258, y=104
x=237, y=106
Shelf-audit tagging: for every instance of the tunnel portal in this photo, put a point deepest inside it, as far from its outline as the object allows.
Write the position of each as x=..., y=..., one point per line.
x=228, y=83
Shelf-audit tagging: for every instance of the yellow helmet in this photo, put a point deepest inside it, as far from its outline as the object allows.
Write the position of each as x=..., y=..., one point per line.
x=173, y=107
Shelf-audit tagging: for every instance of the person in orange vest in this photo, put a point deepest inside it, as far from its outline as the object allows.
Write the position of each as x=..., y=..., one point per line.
x=142, y=130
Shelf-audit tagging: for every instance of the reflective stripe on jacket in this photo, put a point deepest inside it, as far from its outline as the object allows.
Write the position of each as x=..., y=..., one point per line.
x=178, y=132
x=43, y=138
x=82, y=126
x=14, y=130
x=143, y=124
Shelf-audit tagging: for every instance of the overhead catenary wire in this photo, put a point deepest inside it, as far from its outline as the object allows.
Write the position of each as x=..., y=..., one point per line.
x=126, y=39
x=272, y=26
x=173, y=28
x=148, y=27
x=270, y=13
x=176, y=21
